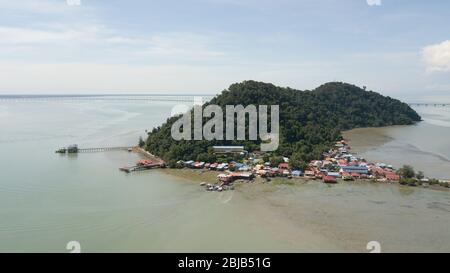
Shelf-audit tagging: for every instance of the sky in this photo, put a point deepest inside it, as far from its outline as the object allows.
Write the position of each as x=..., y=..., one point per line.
x=399, y=48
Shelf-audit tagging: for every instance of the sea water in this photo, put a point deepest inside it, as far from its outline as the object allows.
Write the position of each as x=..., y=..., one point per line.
x=48, y=199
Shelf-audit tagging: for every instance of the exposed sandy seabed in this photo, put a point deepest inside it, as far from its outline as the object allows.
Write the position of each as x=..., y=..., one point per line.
x=309, y=216
x=363, y=139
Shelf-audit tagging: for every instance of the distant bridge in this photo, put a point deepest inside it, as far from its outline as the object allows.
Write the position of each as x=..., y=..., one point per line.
x=428, y=104
x=113, y=98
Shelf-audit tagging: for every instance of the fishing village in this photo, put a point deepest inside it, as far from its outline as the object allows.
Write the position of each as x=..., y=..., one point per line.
x=339, y=164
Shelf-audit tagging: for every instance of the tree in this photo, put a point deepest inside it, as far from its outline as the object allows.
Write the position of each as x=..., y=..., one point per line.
x=420, y=175
x=206, y=157
x=141, y=142
x=276, y=160
x=296, y=162
x=172, y=164
x=407, y=172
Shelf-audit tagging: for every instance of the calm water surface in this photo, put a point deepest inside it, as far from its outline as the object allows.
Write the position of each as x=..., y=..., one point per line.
x=47, y=200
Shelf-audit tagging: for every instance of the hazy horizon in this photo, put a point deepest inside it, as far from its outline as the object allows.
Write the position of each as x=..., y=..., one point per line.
x=429, y=99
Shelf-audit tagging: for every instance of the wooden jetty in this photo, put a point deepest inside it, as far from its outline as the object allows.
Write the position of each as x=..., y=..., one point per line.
x=142, y=167
x=73, y=149
x=104, y=149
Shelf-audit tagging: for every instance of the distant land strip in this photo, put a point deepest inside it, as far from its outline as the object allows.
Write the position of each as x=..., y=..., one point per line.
x=118, y=98
x=146, y=97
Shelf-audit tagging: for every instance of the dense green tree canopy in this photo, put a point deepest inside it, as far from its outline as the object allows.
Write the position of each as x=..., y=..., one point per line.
x=407, y=171
x=310, y=121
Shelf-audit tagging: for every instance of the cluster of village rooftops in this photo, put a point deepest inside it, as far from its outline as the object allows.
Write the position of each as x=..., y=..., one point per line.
x=338, y=163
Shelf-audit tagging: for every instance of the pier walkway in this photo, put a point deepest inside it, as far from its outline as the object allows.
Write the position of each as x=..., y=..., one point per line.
x=104, y=149
x=74, y=149
x=142, y=167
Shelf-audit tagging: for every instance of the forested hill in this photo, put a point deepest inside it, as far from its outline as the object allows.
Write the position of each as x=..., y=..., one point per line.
x=310, y=121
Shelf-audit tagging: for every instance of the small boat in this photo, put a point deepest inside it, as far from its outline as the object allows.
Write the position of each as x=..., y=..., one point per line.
x=125, y=169
x=329, y=179
x=144, y=162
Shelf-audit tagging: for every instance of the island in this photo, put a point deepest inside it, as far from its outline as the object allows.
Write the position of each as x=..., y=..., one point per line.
x=311, y=145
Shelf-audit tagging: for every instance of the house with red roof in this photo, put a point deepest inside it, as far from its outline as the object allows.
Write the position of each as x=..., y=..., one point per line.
x=283, y=166
x=309, y=173
x=391, y=176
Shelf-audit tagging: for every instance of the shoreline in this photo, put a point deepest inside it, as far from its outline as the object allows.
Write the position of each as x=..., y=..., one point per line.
x=196, y=176
x=363, y=139
x=147, y=154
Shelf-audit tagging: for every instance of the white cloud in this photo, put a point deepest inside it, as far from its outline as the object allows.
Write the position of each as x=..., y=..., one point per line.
x=36, y=6
x=185, y=45
x=373, y=2
x=64, y=33
x=124, y=40
x=437, y=57
x=55, y=40
x=24, y=36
